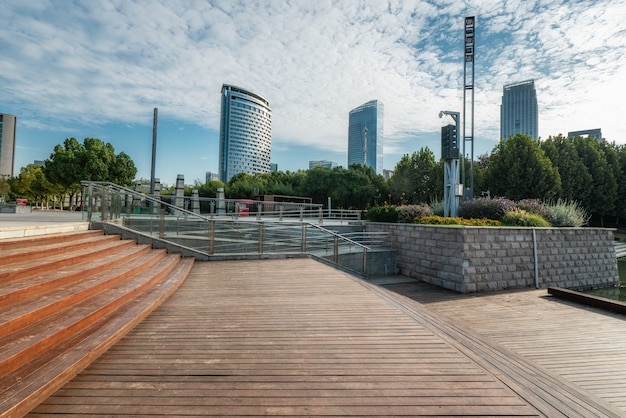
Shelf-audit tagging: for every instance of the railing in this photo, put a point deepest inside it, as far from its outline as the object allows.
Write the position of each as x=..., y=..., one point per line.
x=232, y=234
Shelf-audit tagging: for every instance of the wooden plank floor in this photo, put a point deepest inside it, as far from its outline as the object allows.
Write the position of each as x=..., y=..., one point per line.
x=583, y=345
x=297, y=338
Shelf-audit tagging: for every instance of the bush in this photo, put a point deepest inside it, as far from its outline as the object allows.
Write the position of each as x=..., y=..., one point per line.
x=486, y=208
x=565, y=213
x=535, y=206
x=386, y=213
x=436, y=206
x=519, y=217
x=440, y=220
x=406, y=213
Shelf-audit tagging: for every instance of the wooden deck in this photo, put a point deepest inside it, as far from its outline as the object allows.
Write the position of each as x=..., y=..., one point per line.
x=582, y=345
x=297, y=338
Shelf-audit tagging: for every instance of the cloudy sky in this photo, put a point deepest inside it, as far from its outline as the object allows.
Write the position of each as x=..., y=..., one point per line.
x=98, y=69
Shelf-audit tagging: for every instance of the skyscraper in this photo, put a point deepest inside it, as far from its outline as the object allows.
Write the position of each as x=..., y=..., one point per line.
x=366, y=136
x=519, y=111
x=245, y=133
x=8, y=124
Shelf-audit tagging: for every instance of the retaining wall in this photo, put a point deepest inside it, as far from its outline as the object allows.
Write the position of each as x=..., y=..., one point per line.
x=477, y=259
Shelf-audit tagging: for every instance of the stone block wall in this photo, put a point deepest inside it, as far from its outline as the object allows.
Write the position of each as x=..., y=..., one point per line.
x=477, y=259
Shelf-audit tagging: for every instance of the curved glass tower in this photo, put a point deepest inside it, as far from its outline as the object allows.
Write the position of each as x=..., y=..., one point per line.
x=245, y=133
x=365, y=135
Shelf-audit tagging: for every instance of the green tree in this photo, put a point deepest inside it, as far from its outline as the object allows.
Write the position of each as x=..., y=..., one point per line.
x=93, y=160
x=519, y=169
x=416, y=178
x=602, y=196
x=575, y=178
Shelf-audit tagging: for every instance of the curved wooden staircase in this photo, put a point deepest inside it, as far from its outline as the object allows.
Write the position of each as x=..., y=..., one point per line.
x=65, y=299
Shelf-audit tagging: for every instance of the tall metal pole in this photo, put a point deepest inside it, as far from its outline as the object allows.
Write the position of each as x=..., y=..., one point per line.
x=154, y=142
x=470, y=45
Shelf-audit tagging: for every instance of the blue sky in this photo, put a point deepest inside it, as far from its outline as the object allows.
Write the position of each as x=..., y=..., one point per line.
x=98, y=69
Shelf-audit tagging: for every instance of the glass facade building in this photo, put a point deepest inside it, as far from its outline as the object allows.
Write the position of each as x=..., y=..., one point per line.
x=366, y=135
x=245, y=133
x=519, y=111
x=7, y=144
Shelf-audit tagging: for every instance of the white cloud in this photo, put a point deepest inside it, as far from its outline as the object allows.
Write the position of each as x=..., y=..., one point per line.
x=96, y=62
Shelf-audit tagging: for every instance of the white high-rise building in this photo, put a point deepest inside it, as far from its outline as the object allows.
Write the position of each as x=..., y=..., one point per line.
x=245, y=133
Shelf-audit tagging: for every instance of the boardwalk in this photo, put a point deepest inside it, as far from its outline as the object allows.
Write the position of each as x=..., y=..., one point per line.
x=582, y=345
x=297, y=338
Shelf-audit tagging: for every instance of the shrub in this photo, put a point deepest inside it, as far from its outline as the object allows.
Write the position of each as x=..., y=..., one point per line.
x=535, y=206
x=386, y=213
x=565, y=213
x=440, y=220
x=406, y=213
x=486, y=208
x=436, y=206
x=519, y=217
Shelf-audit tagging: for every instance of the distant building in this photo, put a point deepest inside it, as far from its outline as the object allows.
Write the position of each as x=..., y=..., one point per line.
x=366, y=135
x=39, y=163
x=245, y=133
x=387, y=174
x=8, y=125
x=591, y=133
x=322, y=163
x=211, y=176
x=273, y=167
x=519, y=110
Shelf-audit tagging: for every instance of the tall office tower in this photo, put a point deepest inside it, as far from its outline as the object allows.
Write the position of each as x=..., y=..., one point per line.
x=519, y=112
x=8, y=124
x=245, y=133
x=365, y=135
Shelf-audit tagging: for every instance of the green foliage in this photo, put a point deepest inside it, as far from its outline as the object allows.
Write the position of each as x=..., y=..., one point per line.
x=406, y=213
x=416, y=178
x=567, y=213
x=519, y=169
x=440, y=220
x=519, y=217
x=535, y=206
x=437, y=207
x=386, y=213
x=358, y=187
x=486, y=208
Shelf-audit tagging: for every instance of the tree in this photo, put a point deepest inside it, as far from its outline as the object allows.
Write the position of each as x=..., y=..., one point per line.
x=575, y=178
x=519, y=169
x=416, y=179
x=603, y=192
x=93, y=160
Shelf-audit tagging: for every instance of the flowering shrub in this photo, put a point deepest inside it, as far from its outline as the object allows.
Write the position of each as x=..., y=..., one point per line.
x=440, y=220
x=519, y=217
x=406, y=213
x=486, y=208
x=386, y=213
x=535, y=206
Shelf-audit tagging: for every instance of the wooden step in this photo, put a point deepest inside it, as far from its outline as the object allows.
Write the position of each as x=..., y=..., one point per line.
x=38, y=284
x=14, y=243
x=12, y=256
x=24, y=312
x=35, y=384
x=46, y=263
x=65, y=299
x=34, y=340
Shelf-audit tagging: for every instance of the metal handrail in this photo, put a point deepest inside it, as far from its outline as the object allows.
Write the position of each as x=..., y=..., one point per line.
x=212, y=235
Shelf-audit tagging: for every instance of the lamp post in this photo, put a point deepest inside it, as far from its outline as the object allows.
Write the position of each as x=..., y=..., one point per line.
x=452, y=190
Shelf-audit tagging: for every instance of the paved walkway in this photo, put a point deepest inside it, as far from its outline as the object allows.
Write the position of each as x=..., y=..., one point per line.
x=14, y=225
